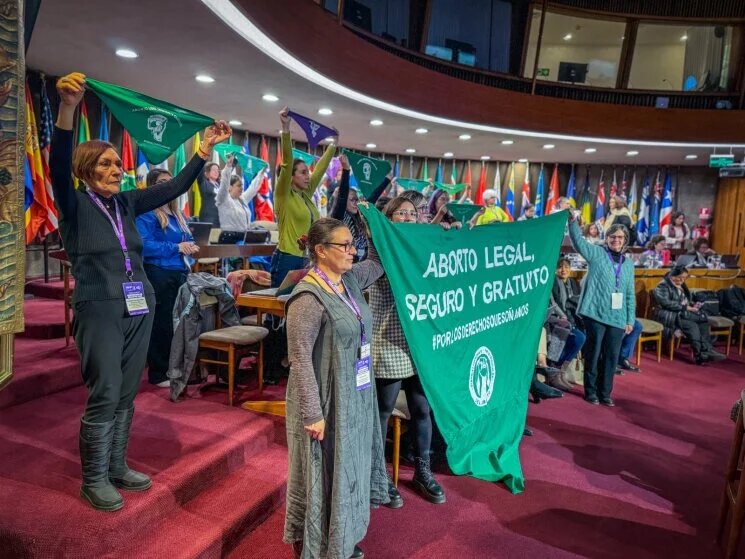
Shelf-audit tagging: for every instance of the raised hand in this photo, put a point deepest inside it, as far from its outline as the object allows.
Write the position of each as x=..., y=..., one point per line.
x=284, y=118
x=215, y=134
x=344, y=160
x=71, y=88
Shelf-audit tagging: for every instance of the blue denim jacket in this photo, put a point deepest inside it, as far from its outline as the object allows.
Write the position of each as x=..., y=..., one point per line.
x=160, y=246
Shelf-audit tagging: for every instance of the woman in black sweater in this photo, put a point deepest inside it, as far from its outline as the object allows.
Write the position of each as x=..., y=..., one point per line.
x=113, y=298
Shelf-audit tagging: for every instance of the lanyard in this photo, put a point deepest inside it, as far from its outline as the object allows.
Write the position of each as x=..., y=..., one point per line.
x=348, y=300
x=616, y=268
x=118, y=230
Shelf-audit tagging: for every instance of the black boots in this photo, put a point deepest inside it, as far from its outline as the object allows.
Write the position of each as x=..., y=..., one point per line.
x=95, y=449
x=396, y=500
x=539, y=391
x=424, y=482
x=119, y=473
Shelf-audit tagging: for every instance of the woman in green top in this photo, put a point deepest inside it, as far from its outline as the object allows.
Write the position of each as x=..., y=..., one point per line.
x=293, y=201
x=490, y=213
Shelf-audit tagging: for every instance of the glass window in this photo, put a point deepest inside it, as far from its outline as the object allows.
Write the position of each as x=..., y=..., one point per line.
x=575, y=49
x=388, y=19
x=474, y=33
x=680, y=58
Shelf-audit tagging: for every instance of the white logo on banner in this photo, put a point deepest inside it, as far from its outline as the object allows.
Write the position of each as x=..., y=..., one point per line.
x=367, y=170
x=314, y=126
x=481, y=379
x=157, y=125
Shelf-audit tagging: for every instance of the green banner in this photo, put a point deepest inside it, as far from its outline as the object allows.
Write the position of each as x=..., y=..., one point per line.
x=472, y=304
x=368, y=172
x=451, y=189
x=251, y=165
x=224, y=149
x=463, y=212
x=412, y=184
x=305, y=156
x=159, y=128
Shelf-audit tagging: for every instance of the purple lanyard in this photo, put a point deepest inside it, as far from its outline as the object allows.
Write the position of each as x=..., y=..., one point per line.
x=118, y=230
x=349, y=300
x=616, y=268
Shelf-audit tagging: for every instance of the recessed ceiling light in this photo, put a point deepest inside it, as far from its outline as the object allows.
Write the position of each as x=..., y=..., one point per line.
x=204, y=78
x=523, y=160
x=410, y=150
x=684, y=38
x=126, y=53
x=235, y=122
x=421, y=130
x=508, y=142
x=376, y=122
x=448, y=154
x=270, y=97
x=325, y=112
x=632, y=153
x=692, y=156
x=370, y=146
x=548, y=146
x=464, y=137
x=485, y=157
x=568, y=37
x=329, y=140
x=590, y=150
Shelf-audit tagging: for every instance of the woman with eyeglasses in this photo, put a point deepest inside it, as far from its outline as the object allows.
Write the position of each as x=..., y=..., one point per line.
x=394, y=370
x=607, y=307
x=420, y=203
x=336, y=458
x=167, y=248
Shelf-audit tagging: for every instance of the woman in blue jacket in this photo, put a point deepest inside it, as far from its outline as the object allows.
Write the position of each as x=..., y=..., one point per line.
x=167, y=249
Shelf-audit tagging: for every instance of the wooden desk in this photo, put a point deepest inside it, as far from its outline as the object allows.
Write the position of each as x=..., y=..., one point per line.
x=264, y=301
x=233, y=251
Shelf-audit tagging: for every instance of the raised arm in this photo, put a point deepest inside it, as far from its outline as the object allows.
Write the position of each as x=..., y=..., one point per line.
x=369, y=270
x=284, y=180
x=304, y=315
x=320, y=168
x=222, y=192
x=342, y=192
x=253, y=188
x=587, y=250
x=378, y=192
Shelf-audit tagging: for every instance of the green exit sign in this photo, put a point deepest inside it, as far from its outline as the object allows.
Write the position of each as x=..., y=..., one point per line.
x=721, y=160
x=543, y=72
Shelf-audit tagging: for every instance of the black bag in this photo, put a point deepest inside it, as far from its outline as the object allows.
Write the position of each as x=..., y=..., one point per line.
x=732, y=301
x=709, y=301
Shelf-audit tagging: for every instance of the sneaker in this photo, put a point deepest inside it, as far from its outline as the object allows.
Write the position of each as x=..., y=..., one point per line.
x=164, y=384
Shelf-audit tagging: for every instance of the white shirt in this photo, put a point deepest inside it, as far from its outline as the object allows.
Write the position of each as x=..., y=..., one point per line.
x=234, y=213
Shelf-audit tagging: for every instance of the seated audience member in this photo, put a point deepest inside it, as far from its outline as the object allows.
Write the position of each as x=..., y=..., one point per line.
x=627, y=348
x=619, y=214
x=676, y=233
x=561, y=204
x=529, y=213
x=232, y=201
x=653, y=254
x=490, y=213
x=439, y=210
x=564, y=343
x=701, y=252
x=566, y=292
x=539, y=390
x=675, y=309
x=592, y=234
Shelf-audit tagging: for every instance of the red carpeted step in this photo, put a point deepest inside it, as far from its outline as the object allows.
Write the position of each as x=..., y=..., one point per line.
x=40, y=368
x=44, y=318
x=48, y=290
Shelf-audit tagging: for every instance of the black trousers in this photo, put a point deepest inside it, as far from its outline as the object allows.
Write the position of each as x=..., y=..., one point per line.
x=601, y=351
x=112, y=348
x=421, y=420
x=166, y=284
x=697, y=334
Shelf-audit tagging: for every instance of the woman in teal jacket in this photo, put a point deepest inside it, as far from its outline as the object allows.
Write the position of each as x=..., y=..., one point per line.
x=607, y=305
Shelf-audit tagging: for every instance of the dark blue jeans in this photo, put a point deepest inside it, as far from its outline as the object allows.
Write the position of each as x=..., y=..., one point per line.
x=601, y=357
x=573, y=345
x=282, y=263
x=629, y=341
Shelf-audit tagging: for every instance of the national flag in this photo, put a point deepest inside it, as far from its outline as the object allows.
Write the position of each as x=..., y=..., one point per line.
x=479, y=198
x=642, y=224
x=179, y=162
x=84, y=130
x=142, y=169
x=654, y=208
x=600, y=202
x=497, y=187
x=509, y=202
x=666, y=211
x=570, y=189
x=526, y=190
x=264, y=204
x=396, y=168
x=585, y=204
x=129, y=180
x=37, y=215
x=539, y=194
x=633, y=200
x=468, y=180
x=425, y=170
x=196, y=195
x=553, y=190
x=614, y=185
x=45, y=143
x=103, y=127
x=624, y=186
x=453, y=175
x=438, y=173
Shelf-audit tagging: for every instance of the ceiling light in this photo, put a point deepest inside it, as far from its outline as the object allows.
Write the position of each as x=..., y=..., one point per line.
x=632, y=153
x=410, y=150
x=376, y=122
x=464, y=137
x=692, y=156
x=325, y=112
x=684, y=38
x=270, y=97
x=590, y=150
x=568, y=37
x=421, y=130
x=549, y=146
x=330, y=140
x=126, y=53
x=485, y=158
x=508, y=142
x=204, y=78
x=370, y=146
x=235, y=122
x=523, y=160
x=448, y=154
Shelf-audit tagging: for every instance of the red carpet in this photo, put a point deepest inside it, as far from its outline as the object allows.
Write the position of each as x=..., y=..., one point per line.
x=641, y=480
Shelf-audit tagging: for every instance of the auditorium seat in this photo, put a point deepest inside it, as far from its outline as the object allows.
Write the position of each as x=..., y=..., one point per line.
x=651, y=332
x=719, y=325
x=733, y=497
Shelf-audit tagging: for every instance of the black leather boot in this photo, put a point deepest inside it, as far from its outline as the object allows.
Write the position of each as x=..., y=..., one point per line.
x=119, y=473
x=539, y=391
x=95, y=450
x=396, y=500
x=424, y=482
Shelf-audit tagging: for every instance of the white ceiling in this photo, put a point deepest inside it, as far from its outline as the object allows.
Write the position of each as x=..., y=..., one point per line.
x=178, y=39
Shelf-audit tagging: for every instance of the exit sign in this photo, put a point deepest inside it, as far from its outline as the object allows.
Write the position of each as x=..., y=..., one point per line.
x=543, y=72
x=721, y=160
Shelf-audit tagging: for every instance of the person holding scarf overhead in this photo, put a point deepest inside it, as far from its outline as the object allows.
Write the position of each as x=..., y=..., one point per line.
x=293, y=201
x=113, y=301
x=607, y=307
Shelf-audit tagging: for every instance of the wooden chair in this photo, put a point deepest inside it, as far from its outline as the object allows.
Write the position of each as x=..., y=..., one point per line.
x=210, y=265
x=741, y=323
x=400, y=411
x=733, y=497
x=67, y=289
x=651, y=331
x=234, y=341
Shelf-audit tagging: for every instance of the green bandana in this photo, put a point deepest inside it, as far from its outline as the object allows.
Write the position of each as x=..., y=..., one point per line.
x=463, y=212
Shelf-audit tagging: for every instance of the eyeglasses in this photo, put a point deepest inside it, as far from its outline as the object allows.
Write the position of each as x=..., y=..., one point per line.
x=405, y=213
x=346, y=247
x=617, y=237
